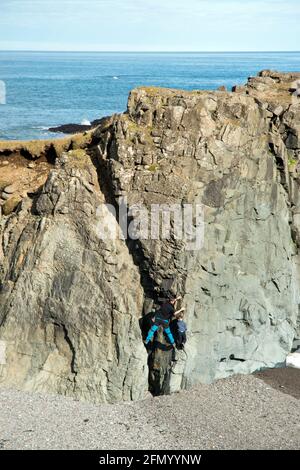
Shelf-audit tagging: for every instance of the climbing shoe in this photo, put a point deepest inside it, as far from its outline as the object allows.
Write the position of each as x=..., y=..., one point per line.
x=174, y=355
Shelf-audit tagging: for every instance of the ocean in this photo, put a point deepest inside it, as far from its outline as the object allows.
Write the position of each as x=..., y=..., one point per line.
x=45, y=89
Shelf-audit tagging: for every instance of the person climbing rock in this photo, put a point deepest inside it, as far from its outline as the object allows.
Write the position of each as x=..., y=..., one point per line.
x=162, y=319
x=181, y=331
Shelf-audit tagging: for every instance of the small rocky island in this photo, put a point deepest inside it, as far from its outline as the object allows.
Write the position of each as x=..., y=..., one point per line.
x=73, y=308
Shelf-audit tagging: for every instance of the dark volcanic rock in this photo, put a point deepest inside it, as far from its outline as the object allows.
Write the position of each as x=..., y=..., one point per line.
x=77, y=128
x=70, y=128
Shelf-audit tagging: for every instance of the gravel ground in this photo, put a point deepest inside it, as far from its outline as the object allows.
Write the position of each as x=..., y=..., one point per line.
x=287, y=380
x=242, y=412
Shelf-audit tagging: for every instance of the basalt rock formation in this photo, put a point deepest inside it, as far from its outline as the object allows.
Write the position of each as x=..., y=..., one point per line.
x=74, y=306
x=76, y=128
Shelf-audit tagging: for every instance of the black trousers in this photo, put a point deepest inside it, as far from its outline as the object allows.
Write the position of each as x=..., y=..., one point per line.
x=181, y=338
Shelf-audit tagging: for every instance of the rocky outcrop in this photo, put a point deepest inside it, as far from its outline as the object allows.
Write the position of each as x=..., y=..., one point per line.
x=70, y=302
x=76, y=128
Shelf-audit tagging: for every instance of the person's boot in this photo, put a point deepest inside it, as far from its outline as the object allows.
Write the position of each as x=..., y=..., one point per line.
x=174, y=353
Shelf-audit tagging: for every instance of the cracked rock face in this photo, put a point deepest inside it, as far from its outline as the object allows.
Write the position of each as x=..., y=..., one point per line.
x=70, y=303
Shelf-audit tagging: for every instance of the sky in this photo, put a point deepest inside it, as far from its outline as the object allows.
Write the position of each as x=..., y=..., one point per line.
x=150, y=25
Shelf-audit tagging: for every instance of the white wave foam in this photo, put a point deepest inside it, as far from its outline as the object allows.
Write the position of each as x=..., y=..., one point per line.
x=115, y=78
x=85, y=122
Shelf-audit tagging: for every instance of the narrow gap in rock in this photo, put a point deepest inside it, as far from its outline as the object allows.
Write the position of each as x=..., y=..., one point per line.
x=51, y=154
x=26, y=154
x=233, y=358
x=160, y=352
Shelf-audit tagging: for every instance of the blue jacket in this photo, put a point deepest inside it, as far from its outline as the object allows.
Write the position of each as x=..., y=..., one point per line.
x=181, y=325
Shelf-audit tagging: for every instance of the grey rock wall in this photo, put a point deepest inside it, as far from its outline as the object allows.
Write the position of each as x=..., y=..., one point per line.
x=230, y=153
x=70, y=303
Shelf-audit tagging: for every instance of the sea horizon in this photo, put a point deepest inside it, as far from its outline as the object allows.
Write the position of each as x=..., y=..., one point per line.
x=156, y=52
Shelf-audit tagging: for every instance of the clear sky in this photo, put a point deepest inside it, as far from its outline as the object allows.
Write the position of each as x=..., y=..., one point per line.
x=150, y=25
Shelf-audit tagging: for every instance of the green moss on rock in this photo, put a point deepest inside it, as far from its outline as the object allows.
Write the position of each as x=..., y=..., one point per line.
x=11, y=204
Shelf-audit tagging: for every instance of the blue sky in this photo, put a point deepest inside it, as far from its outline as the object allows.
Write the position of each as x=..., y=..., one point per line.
x=150, y=25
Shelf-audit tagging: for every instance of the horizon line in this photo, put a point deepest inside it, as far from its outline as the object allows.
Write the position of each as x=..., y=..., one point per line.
x=154, y=52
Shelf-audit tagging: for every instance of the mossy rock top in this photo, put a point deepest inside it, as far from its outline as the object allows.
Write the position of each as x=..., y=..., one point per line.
x=11, y=204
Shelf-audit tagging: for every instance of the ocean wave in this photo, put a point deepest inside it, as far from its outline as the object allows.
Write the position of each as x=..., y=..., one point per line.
x=85, y=122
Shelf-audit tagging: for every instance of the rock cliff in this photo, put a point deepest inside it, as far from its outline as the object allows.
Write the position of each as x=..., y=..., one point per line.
x=71, y=303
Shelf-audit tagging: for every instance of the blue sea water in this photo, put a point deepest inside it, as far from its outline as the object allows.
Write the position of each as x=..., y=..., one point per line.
x=46, y=89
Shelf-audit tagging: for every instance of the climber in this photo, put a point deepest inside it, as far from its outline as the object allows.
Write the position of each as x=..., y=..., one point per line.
x=181, y=331
x=162, y=318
